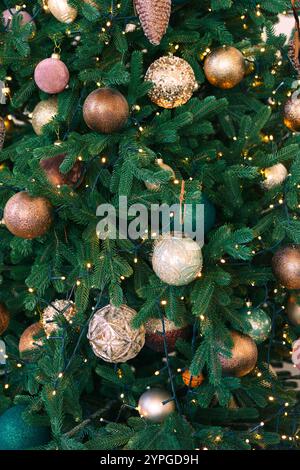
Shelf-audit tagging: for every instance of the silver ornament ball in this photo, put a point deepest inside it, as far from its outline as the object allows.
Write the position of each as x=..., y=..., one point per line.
x=152, y=405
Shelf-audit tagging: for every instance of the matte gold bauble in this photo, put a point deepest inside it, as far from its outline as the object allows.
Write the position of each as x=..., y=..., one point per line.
x=293, y=310
x=4, y=319
x=55, y=177
x=152, y=405
x=62, y=11
x=173, y=81
x=244, y=356
x=291, y=113
x=225, y=67
x=28, y=341
x=286, y=266
x=26, y=216
x=43, y=113
x=56, y=309
x=192, y=381
x=105, y=110
x=163, y=166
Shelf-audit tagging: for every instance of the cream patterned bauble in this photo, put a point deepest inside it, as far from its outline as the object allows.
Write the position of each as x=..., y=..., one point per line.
x=111, y=335
x=53, y=311
x=177, y=260
x=274, y=175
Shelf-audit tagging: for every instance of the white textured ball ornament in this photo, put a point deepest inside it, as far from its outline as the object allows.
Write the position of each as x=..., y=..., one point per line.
x=53, y=311
x=152, y=407
x=111, y=335
x=177, y=260
x=274, y=175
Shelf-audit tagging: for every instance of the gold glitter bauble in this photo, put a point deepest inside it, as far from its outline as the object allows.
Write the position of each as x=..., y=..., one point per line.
x=293, y=310
x=291, y=114
x=286, y=266
x=62, y=11
x=177, y=260
x=225, y=67
x=4, y=319
x=152, y=407
x=53, y=311
x=274, y=175
x=43, y=113
x=163, y=166
x=154, y=16
x=27, y=341
x=26, y=216
x=244, y=356
x=173, y=81
x=111, y=335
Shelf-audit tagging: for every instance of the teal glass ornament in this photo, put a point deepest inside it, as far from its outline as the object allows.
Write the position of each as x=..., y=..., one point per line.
x=16, y=434
x=260, y=322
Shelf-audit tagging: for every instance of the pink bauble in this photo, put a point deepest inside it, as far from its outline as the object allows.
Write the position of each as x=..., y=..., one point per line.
x=51, y=75
x=8, y=14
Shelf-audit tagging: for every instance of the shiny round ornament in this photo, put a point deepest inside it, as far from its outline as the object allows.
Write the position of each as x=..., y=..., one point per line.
x=43, y=113
x=163, y=166
x=28, y=341
x=286, y=266
x=155, y=338
x=173, y=81
x=55, y=177
x=105, y=110
x=151, y=405
x=27, y=216
x=291, y=113
x=260, y=322
x=244, y=356
x=62, y=11
x=4, y=319
x=192, y=381
x=111, y=335
x=293, y=310
x=225, y=67
x=51, y=75
x=55, y=310
x=274, y=176
x=16, y=434
x=177, y=261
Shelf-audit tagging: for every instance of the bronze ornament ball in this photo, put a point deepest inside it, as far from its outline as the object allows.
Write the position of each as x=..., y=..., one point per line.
x=55, y=177
x=291, y=114
x=105, y=110
x=225, y=67
x=4, y=319
x=244, y=356
x=151, y=405
x=154, y=334
x=286, y=266
x=27, y=216
x=27, y=342
x=173, y=80
x=43, y=113
x=293, y=310
x=53, y=311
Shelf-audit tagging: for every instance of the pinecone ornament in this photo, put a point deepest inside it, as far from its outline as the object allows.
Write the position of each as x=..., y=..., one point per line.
x=154, y=16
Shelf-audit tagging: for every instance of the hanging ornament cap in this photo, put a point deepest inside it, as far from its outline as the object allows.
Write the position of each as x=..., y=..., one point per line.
x=55, y=55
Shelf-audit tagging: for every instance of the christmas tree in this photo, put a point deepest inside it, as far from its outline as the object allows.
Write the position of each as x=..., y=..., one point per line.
x=110, y=341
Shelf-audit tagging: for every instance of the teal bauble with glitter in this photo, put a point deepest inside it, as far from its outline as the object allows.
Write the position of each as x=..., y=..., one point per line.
x=260, y=324
x=16, y=434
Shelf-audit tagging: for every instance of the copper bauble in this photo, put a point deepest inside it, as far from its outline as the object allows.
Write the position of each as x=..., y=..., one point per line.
x=62, y=11
x=286, y=266
x=192, y=381
x=56, y=309
x=26, y=216
x=2, y=132
x=244, y=356
x=291, y=113
x=163, y=166
x=43, y=113
x=55, y=177
x=154, y=334
x=152, y=407
x=4, y=319
x=105, y=110
x=293, y=310
x=225, y=67
x=274, y=175
x=173, y=81
x=111, y=335
x=27, y=341
x=154, y=16
x=51, y=75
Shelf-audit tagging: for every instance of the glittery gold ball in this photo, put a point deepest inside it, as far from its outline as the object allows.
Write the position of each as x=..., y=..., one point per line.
x=225, y=67
x=52, y=313
x=293, y=310
x=28, y=341
x=286, y=266
x=173, y=81
x=111, y=335
x=4, y=319
x=26, y=216
x=291, y=114
x=152, y=405
x=244, y=356
x=43, y=113
x=62, y=11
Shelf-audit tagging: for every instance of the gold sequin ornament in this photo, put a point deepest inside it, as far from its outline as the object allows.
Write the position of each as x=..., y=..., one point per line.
x=173, y=81
x=53, y=311
x=225, y=67
x=43, y=113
